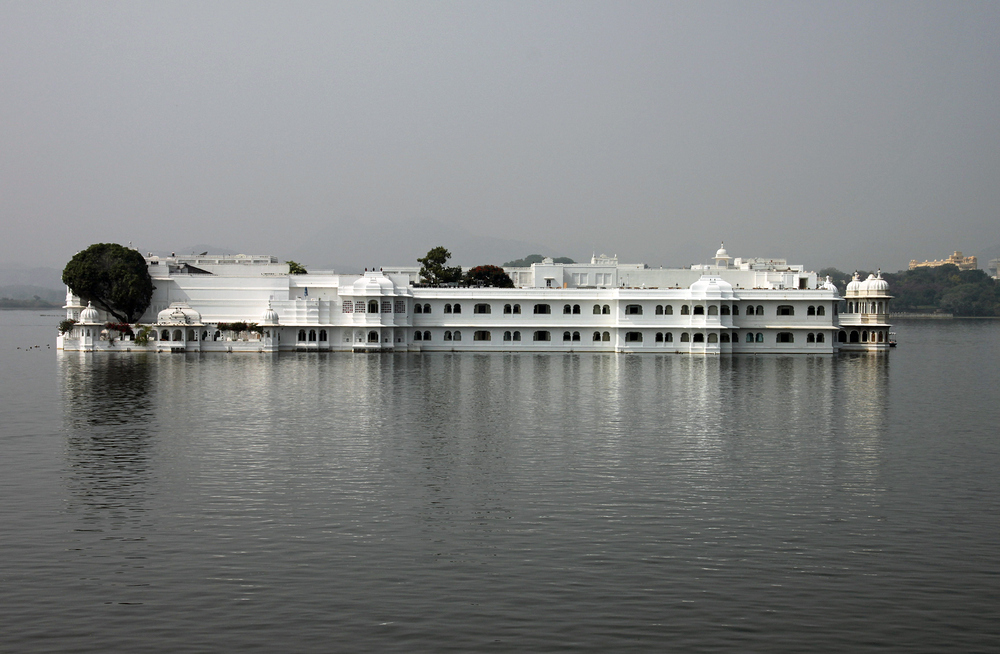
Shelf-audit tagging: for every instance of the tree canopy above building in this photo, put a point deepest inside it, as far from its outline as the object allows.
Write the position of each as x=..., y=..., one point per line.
x=113, y=277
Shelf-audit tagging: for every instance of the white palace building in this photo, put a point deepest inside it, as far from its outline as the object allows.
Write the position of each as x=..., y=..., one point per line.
x=730, y=306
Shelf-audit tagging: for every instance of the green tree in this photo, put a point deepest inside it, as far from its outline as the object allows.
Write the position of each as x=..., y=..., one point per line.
x=433, y=269
x=295, y=268
x=534, y=258
x=488, y=276
x=113, y=277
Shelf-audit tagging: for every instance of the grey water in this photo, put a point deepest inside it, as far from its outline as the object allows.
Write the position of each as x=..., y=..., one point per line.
x=500, y=502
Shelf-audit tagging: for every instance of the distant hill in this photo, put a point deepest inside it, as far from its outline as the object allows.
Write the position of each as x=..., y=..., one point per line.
x=29, y=292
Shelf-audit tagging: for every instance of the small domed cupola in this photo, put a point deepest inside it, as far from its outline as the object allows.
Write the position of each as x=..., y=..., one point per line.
x=855, y=284
x=877, y=284
x=270, y=316
x=89, y=316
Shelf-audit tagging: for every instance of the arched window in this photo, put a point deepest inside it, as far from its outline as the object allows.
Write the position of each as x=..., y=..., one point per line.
x=713, y=310
x=760, y=337
x=633, y=309
x=427, y=335
x=659, y=337
x=542, y=308
x=302, y=335
x=322, y=335
x=542, y=336
x=811, y=311
x=417, y=336
x=821, y=310
x=204, y=335
x=506, y=309
x=668, y=310
x=517, y=336
x=418, y=309
x=447, y=335
x=447, y=308
x=606, y=337
x=699, y=338
x=606, y=310
x=810, y=338
x=842, y=337
x=699, y=310
x=178, y=335
x=785, y=337
x=165, y=335
x=864, y=336
x=633, y=337
x=482, y=308
x=668, y=337
x=713, y=338
x=458, y=336
x=506, y=336
x=482, y=336
x=855, y=336
x=597, y=336
x=750, y=310
x=597, y=309
x=427, y=308
x=517, y=309
x=576, y=309
x=685, y=310
x=659, y=310
x=457, y=308
x=736, y=310
x=372, y=306
x=724, y=338
x=724, y=310
x=820, y=338
x=786, y=310
x=373, y=337
x=312, y=335
x=749, y=338
x=760, y=310
x=576, y=336
x=567, y=309
x=567, y=335
x=217, y=336
x=685, y=337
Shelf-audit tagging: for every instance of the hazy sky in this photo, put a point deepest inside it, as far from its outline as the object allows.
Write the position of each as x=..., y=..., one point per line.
x=848, y=134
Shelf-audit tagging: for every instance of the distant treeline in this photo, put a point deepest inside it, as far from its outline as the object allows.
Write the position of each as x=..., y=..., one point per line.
x=534, y=258
x=944, y=289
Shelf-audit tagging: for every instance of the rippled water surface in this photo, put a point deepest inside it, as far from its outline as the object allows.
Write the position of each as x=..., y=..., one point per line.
x=501, y=502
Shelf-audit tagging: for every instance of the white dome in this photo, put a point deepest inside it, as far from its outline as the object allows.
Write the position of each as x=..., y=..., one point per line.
x=855, y=284
x=374, y=283
x=876, y=284
x=178, y=313
x=270, y=316
x=829, y=285
x=89, y=315
x=721, y=252
x=711, y=286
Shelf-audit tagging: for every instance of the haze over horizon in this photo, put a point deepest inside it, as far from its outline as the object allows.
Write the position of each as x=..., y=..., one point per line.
x=853, y=135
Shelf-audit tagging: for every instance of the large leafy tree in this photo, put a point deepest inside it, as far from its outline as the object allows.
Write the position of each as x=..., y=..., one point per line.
x=113, y=277
x=434, y=270
x=488, y=276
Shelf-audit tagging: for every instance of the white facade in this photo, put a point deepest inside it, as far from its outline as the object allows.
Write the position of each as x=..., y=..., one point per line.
x=732, y=306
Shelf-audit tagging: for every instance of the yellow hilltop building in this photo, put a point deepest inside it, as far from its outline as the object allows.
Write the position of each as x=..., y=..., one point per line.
x=956, y=259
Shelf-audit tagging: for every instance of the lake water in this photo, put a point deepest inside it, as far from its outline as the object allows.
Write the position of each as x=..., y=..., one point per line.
x=501, y=502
